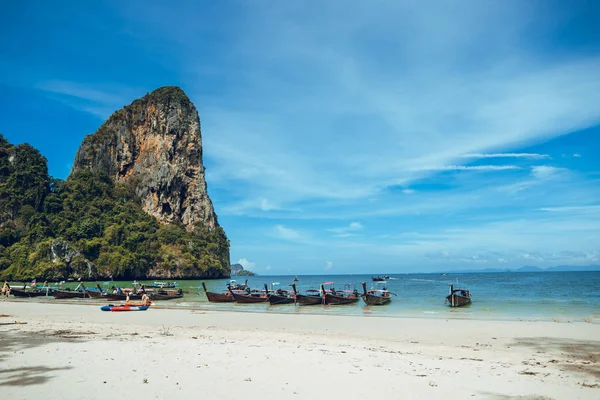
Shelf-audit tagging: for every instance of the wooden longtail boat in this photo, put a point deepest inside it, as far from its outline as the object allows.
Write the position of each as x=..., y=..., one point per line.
x=280, y=296
x=84, y=293
x=249, y=297
x=166, y=295
x=376, y=296
x=340, y=297
x=311, y=298
x=31, y=292
x=458, y=297
x=213, y=297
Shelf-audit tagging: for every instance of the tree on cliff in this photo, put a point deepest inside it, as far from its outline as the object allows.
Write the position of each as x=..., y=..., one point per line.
x=97, y=224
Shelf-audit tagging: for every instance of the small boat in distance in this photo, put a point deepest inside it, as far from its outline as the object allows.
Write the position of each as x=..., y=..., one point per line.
x=378, y=295
x=164, y=285
x=458, y=297
x=310, y=298
x=380, y=278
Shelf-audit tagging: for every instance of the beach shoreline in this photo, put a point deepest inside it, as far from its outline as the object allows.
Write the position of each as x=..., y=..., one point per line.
x=166, y=352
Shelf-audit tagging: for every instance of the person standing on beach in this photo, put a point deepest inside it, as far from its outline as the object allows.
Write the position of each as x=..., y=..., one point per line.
x=6, y=290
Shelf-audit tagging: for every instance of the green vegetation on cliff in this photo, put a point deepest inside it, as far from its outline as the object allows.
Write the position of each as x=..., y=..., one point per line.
x=90, y=227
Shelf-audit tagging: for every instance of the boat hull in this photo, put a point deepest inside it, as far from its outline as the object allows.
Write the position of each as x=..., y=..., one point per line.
x=123, y=297
x=213, y=297
x=245, y=299
x=219, y=298
x=334, y=300
x=159, y=296
x=66, y=294
x=458, y=301
x=25, y=293
x=308, y=300
x=275, y=299
x=372, y=300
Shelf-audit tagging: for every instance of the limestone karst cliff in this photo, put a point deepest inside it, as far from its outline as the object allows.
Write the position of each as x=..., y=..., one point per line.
x=135, y=205
x=155, y=145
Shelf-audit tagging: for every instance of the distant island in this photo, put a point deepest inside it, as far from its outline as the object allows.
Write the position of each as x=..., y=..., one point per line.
x=238, y=270
x=529, y=268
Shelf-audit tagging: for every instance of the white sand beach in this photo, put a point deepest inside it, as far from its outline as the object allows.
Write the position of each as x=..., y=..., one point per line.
x=72, y=351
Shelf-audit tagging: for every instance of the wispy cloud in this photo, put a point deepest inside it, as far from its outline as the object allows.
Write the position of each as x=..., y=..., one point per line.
x=289, y=234
x=570, y=209
x=540, y=174
x=99, y=100
x=470, y=168
x=535, y=156
x=347, y=231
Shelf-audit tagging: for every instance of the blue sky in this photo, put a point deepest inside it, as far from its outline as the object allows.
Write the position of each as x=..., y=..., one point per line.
x=343, y=136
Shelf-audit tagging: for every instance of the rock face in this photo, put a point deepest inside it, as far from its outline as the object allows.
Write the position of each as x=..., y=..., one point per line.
x=155, y=145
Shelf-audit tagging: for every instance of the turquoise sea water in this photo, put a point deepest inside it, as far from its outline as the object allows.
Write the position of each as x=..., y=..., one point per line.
x=565, y=296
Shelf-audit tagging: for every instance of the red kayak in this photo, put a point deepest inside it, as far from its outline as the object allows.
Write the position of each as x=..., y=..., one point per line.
x=111, y=307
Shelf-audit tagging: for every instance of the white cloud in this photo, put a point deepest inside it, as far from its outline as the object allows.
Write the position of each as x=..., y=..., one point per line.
x=328, y=266
x=570, y=209
x=545, y=172
x=506, y=155
x=337, y=80
x=347, y=231
x=469, y=168
x=408, y=191
x=576, y=155
x=246, y=263
x=268, y=268
x=288, y=234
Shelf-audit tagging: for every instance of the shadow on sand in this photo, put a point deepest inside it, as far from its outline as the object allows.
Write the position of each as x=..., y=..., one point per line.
x=573, y=355
x=13, y=343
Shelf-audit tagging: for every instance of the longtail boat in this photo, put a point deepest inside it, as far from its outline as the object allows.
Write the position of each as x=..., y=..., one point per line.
x=311, y=298
x=165, y=294
x=376, y=296
x=458, y=297
x=340, y=297
x=280, y=296
x=249, y=296
x=225, y=297
x=84, y=293
x=123, y=296
x=44, y=291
